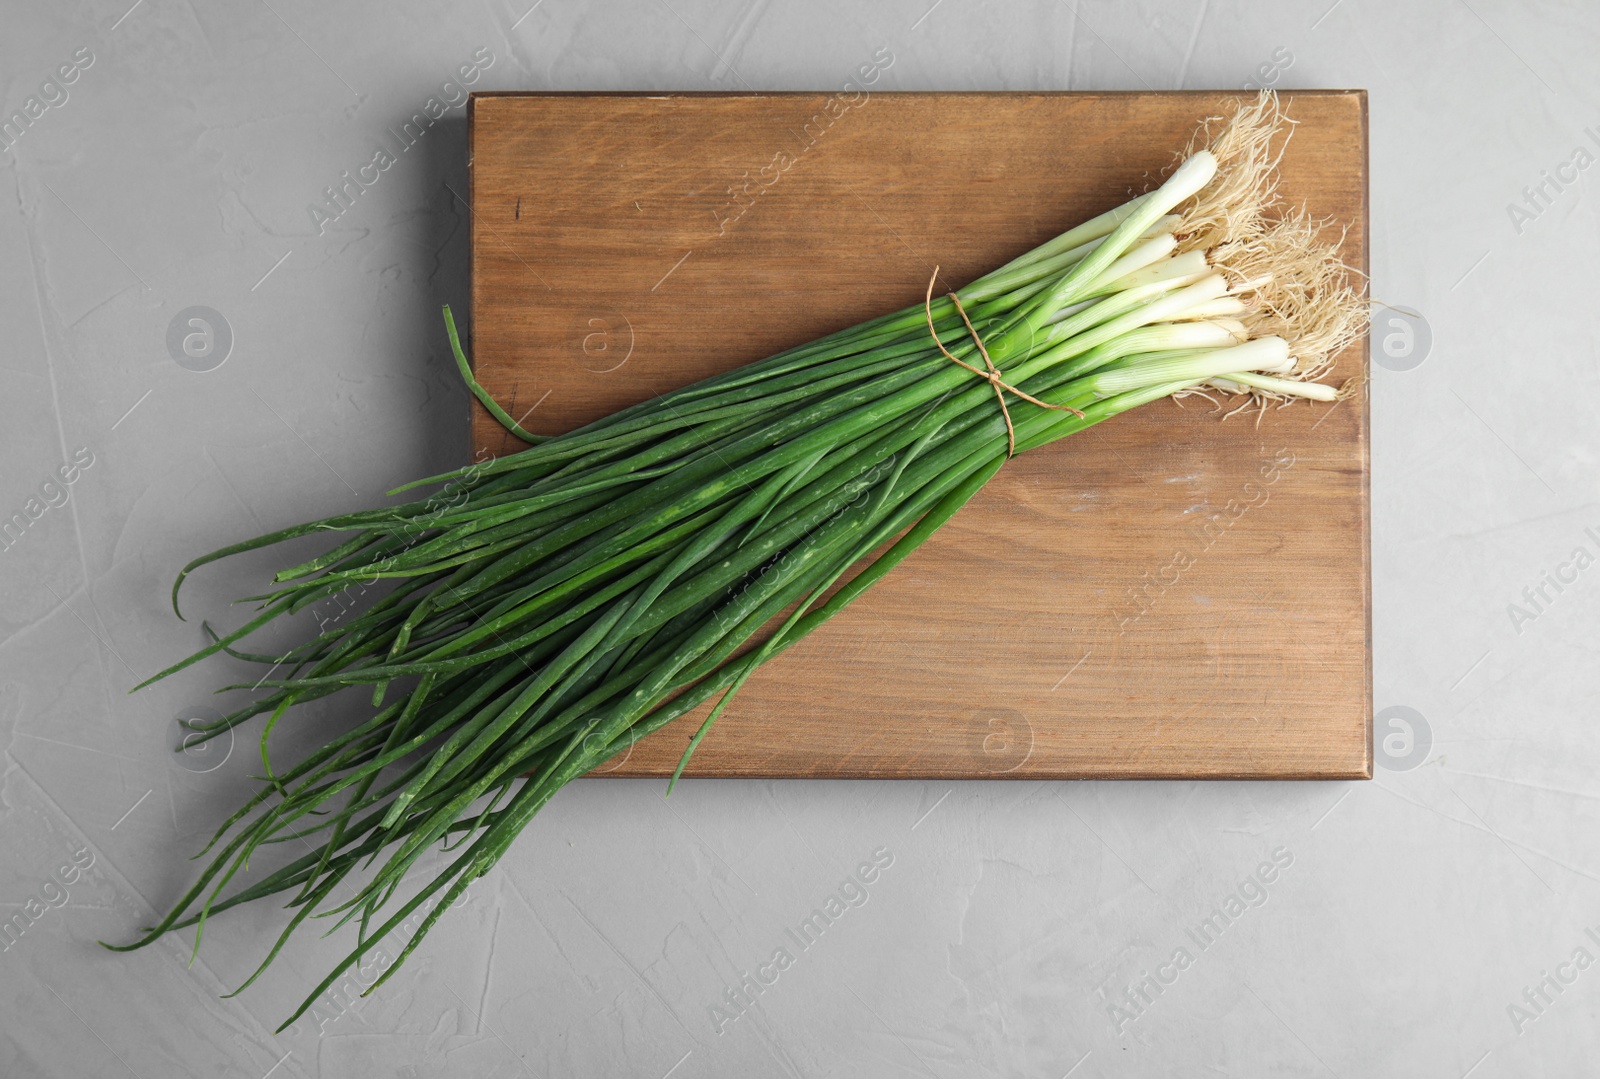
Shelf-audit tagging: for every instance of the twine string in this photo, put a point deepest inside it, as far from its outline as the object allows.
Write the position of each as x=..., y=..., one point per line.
x=991, y=373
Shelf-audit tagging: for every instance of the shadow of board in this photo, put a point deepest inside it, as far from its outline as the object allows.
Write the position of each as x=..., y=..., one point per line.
x=420, y=234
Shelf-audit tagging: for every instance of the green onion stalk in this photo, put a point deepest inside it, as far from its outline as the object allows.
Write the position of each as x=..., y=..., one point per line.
x=544, y=610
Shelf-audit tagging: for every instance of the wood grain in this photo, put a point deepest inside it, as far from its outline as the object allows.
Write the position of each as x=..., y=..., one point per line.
x=1166, y=595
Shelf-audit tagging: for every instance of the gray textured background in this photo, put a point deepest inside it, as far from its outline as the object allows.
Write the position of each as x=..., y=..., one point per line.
x=177, y=169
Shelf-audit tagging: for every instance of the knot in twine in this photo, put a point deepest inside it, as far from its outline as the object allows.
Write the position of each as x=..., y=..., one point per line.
x=991, y=374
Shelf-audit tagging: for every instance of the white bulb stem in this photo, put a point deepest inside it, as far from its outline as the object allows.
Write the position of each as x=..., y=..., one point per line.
x=1221, y=307
x=1185, y=181
x=1189, y=178
x=1261, y=352
x=1288, y=387
x=1145, y=254
x=1189, y=264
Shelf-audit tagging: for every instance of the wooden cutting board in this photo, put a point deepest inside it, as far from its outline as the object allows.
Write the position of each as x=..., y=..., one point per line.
x=1165, y=595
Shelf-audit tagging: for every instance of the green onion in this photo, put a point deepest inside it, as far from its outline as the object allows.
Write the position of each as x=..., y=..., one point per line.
x=545, y=610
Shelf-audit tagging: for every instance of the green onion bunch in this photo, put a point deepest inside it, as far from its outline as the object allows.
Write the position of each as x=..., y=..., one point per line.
x=544, y=610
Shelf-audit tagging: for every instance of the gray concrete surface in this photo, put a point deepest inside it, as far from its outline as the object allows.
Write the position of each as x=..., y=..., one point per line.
x=1439, y=920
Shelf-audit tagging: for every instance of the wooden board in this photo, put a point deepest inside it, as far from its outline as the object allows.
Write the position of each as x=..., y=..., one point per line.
x=1165, y=595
